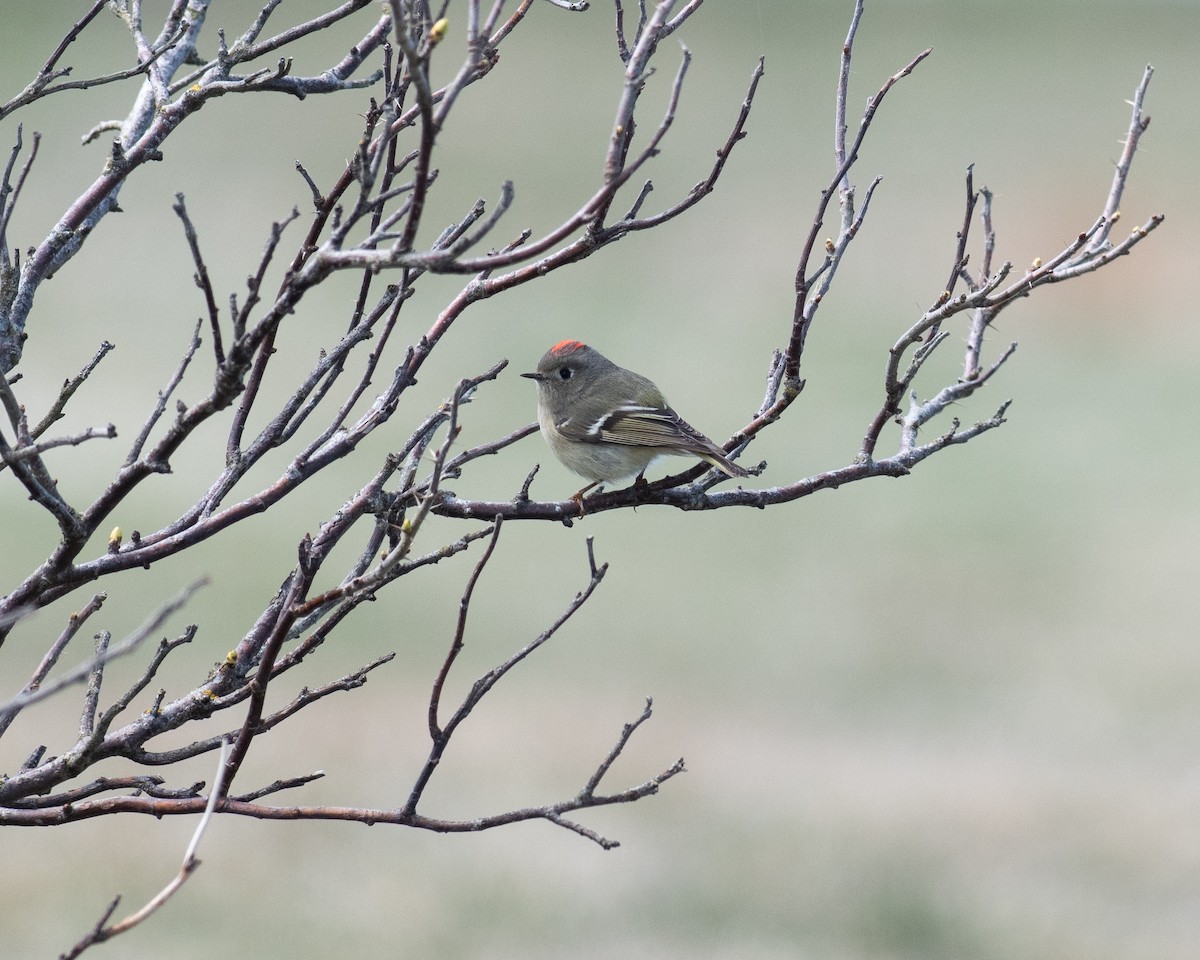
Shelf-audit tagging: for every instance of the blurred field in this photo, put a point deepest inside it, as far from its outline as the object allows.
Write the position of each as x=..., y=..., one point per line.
x=948, y=717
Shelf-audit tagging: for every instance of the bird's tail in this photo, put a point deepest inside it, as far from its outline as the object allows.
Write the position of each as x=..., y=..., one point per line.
x=722, y=463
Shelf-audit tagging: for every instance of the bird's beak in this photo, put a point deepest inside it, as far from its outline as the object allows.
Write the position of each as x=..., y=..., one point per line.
x=533, y=376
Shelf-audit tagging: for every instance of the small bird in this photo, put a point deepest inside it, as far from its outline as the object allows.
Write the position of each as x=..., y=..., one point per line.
x=607, y=423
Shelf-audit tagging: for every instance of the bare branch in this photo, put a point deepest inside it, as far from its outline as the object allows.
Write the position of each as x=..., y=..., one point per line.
x=100, y=933
x=33, y=475
x=10, y=194
x=805, y=308
x=26, y=452
x=441, y=735
x=135, y=452
x=201, y=277
x=43, y=84
x=277, y=786
x=456, y=644
x=55, y=412
x=84, y=670
x=707, y=185
x=91, y=700
x=1137, y=126
x=554, y=812
x=76, y=620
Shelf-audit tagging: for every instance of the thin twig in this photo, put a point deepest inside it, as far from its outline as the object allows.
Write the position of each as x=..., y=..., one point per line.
x=8, y=203
x=76, y=620
x=164, y=395
x=26, y=452
x=128, y=645
x=201, y=276
x=456, y=644
x=1137, y=126
x=485, y=683
x=55, y=412
x=101, y=933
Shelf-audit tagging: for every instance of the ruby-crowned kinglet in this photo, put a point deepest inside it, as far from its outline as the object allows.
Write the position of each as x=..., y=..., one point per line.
x=607, y=423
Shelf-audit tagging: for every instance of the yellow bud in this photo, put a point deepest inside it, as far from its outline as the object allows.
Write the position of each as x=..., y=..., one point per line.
x=1037, y=262
x=114, y=539
x=828, y=245
x=438, y=31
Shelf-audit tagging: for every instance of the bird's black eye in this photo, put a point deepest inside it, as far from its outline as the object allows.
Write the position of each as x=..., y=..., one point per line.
x=564, y=373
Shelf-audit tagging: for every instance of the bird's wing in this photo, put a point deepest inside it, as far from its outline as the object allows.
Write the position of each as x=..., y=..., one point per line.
x=650, y=427
x=647, y=427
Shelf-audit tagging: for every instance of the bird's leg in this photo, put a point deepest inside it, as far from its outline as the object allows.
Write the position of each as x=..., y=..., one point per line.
x=578, y=496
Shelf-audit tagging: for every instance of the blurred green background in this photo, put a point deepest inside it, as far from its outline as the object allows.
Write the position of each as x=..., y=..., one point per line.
x=953, y=716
